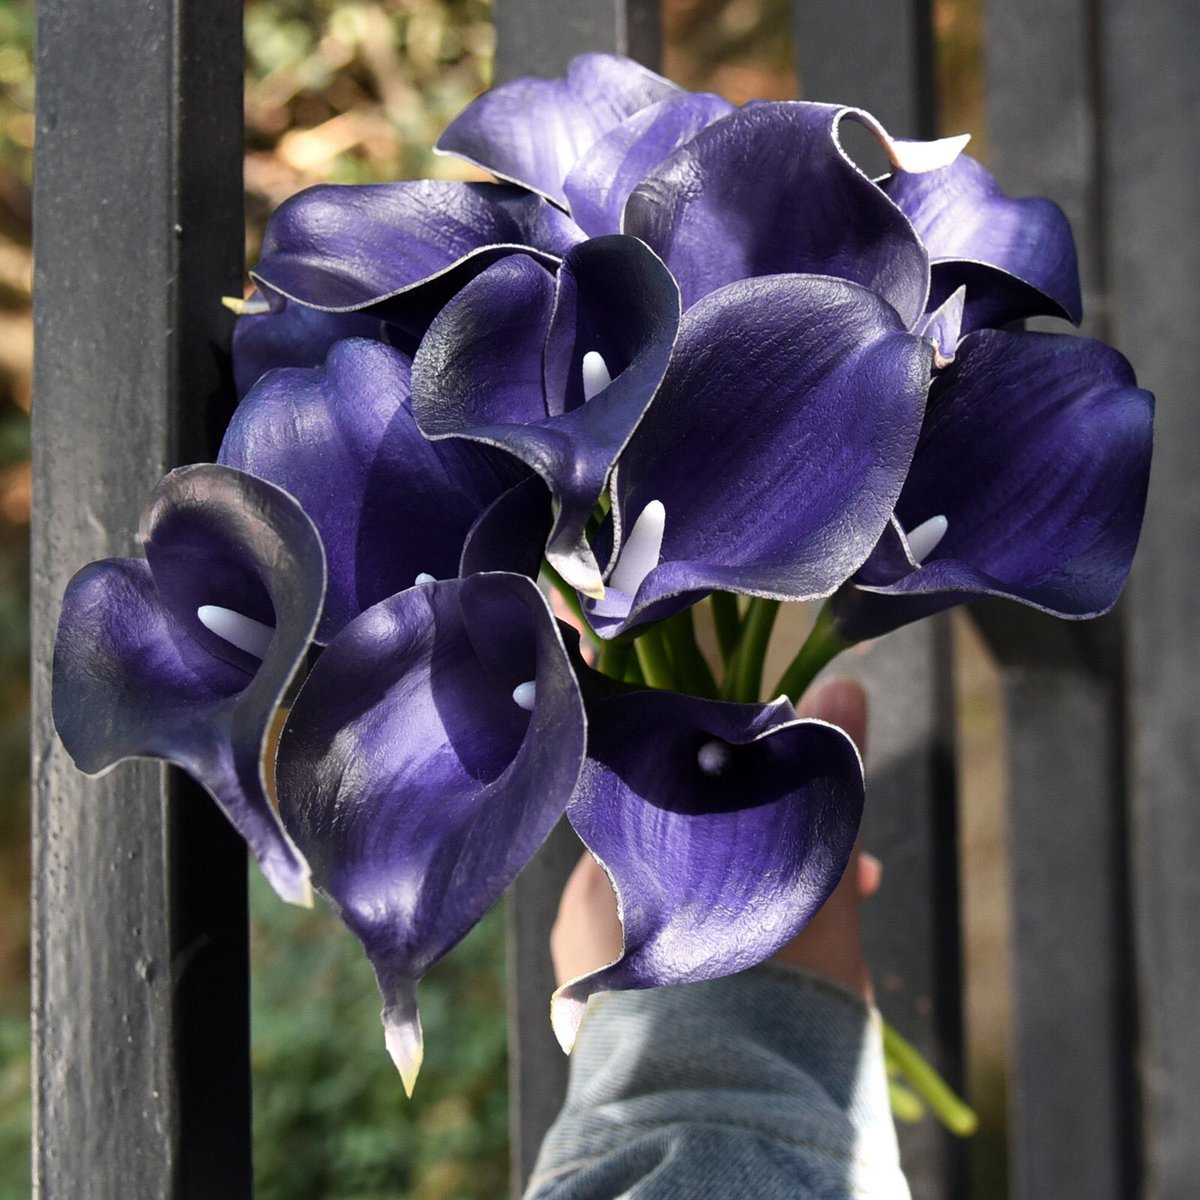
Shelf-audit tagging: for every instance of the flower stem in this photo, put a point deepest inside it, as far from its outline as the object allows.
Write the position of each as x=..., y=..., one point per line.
x=743, y=679
x=822, y=645
x=692, y=671
x=613, y=659
x=653, y=659
x=928, y=1084
x=727, y=622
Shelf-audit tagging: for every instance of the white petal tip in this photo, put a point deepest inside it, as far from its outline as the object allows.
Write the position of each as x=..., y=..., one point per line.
x=580, y=575
x=407, y=1048
x=918, y=157
x=566, y=1015
x=294, y=888
x=246, y=308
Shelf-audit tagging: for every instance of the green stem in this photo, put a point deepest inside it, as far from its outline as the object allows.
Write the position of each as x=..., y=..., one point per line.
x=692, y=671
x=613, y=659
x=822, y=645
x=652, y=658
x=743, y=680
x=928, y=1084
x=727, y=622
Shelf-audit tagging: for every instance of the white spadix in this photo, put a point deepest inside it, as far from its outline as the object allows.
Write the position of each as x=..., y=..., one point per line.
x=926, y=537
x=639, y=554
x=595, y=374
x=243, y=632
x=524, y=695
x=713, y=757
x=424, y=577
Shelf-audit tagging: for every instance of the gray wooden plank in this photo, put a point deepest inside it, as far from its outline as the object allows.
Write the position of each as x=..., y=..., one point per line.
x=1072, y=1104
x=1150, y=165
x=140, y=970
x=1064, y=695
x=539, y=37
x=878, y=56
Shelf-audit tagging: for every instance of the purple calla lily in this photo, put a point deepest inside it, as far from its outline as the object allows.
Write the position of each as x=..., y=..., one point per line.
x=556, y=371
x=1016, y=257
x=773, y=454
x=341, y=248
x=722, y=827
x=1029, y=482
x=274, y=332
x=430, y=752
x=533, y=131
x=185, y=656
x=389, y=504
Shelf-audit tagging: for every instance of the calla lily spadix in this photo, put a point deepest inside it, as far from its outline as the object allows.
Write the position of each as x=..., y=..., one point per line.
x=185, y=655
x=432, y=749
x=722, y=827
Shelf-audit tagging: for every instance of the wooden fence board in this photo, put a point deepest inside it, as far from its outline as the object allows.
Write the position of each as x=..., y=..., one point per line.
x=1151, y=99
x=878, y=56
x=140, y=974
x=1072, y=1112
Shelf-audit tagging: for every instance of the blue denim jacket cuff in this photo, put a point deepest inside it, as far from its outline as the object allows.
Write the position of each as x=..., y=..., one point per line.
x=776, y=1075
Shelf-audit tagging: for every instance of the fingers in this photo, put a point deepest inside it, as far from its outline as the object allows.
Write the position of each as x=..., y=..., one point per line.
x=586, y=934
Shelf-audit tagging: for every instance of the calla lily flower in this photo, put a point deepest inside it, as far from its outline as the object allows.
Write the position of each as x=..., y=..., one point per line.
x=389, y=504
x=274, y=332
x=772, y=457
x=534, y=131
x=1015, y=257
x=722, y=827
x=341, y=248
x=556, y=371
x=714, y=209
x=185, y=656
x=432, y=749
x=1029, y=482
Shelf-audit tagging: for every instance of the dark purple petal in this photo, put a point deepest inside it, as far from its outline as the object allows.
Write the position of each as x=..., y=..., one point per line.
x=389, y=504
x=1016, y=257
x=136, y=674
x=723, y=828
x=533, y=131
x=292, y=335
x=778, y=444
x=415, y=783
x=511, y=533
x=503, y=364
x=1036, y=449
x=600, y=182
x=345, y=247
x=768, y=190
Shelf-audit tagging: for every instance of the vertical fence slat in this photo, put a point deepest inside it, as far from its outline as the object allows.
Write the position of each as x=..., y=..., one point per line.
x=539, y=37
x=879, y=56
x=1151, y=163
x=140, y=974
x=1072, y=1113
x=1073, y=1124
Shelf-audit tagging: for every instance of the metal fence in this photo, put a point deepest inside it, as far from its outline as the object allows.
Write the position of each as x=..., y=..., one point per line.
x=140, y=976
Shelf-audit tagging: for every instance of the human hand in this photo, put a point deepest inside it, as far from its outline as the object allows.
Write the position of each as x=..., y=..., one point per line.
x=587, y=934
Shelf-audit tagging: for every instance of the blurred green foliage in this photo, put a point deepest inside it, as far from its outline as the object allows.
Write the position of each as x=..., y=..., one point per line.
x=331, y=1121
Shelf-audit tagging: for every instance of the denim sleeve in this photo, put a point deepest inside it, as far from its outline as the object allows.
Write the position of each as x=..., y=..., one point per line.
x=764, y=1086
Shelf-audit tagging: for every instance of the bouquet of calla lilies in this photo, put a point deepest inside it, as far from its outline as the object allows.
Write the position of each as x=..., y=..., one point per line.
x=682, y=356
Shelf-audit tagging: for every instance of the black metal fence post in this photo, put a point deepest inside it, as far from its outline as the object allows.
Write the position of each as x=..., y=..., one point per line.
x=140, y=971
